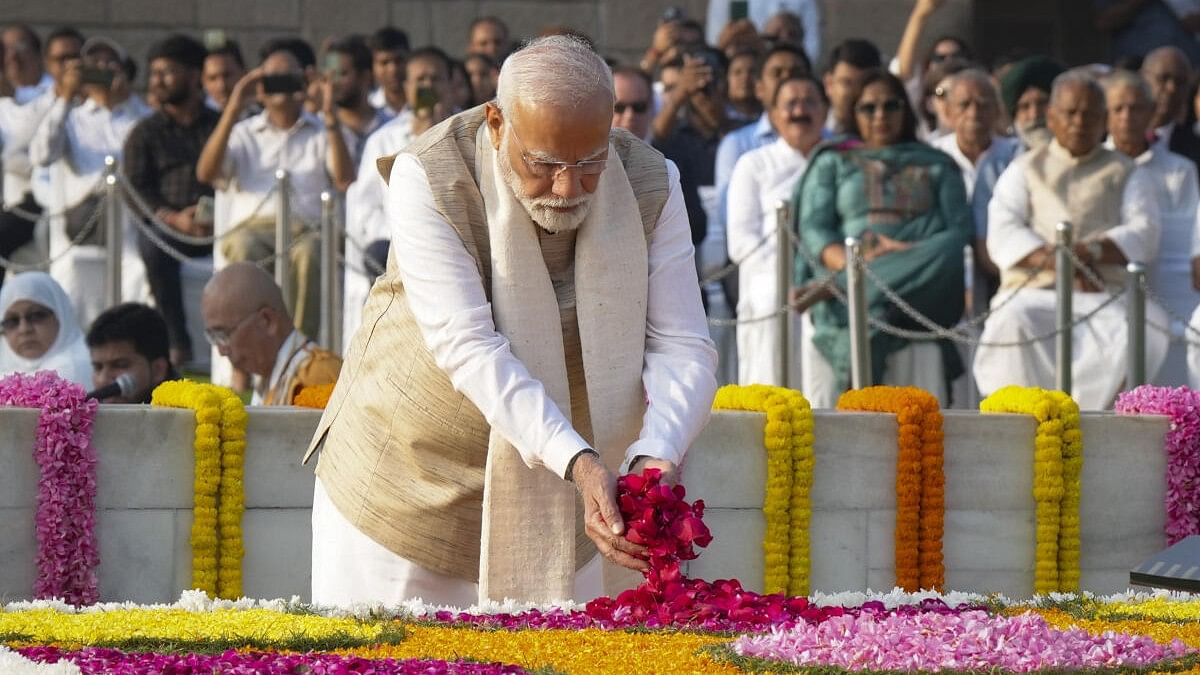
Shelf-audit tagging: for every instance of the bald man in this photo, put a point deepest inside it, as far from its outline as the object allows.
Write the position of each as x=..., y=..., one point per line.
x=1168, y=72
x=246, y=319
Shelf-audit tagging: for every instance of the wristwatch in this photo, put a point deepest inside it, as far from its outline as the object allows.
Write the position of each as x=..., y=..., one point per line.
x=571, y=464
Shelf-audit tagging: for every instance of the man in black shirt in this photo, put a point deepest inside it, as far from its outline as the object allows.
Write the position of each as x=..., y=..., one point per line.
x=160, y=161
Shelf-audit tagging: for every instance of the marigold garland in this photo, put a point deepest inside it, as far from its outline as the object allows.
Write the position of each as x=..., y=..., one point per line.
x=787, y=506
x=1057, y=470
x=920, y=479
x=219, y=500
x=314, y=396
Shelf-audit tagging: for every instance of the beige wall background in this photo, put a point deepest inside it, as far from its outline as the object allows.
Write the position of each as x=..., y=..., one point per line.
x=621, y=28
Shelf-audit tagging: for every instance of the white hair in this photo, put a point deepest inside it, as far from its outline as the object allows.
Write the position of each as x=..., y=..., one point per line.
x=1127, y=78
x=1076, y=77
x=557, y=70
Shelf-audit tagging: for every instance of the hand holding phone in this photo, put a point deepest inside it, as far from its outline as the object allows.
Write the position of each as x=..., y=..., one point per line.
x=286, y=83
x=102, y=77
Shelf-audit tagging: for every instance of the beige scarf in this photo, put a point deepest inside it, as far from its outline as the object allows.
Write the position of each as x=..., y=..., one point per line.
x=527, y=549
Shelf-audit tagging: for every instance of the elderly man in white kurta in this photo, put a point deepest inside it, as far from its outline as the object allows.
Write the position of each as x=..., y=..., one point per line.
x=761, y=179
x=539, y=322
x=1130, y=111
x=1111, y=203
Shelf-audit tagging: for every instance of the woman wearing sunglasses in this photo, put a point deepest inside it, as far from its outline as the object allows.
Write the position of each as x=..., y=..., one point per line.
x=40, y=330
x=906, y=203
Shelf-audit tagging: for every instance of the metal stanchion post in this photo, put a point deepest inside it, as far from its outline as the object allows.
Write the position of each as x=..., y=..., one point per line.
x=283, y=236
x=1136, y=277
x=330, y=288
x=1064, y=286
x=783, y=286
x=860, y=341
x=112, y=232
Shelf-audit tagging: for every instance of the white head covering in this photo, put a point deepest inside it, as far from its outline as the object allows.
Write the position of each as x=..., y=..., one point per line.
x=68, y=356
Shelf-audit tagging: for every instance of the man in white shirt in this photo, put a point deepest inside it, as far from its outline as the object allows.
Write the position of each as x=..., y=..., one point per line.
x=1177, y=193
x=20, y=117
x=246, y=319
x=74, y=138
x=975, y=103
x=1111, y=203
x=389, y=49
x=760, y=180
x=241, y=158
x=367, y=232
x=540, y=321
x=348, y=64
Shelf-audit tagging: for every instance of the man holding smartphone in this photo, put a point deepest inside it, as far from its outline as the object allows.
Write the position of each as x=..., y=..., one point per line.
x=427, y=78
x=241, y=158
x=73, y=140
x=348, y=65
x=160, y=161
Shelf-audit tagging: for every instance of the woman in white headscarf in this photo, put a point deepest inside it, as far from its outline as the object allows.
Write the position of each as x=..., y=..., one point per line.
x=40, y=330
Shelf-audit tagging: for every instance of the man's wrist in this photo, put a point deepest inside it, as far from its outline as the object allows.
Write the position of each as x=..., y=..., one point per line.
x=570, y=473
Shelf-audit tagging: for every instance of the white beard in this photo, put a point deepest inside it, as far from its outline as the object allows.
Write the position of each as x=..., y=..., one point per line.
x=542, y=209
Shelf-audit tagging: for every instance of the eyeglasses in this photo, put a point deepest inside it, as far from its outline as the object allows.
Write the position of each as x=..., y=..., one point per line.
x=220, y=337
x=541, y=168
x=638, y=107
x=892, y=105
x=33, y=317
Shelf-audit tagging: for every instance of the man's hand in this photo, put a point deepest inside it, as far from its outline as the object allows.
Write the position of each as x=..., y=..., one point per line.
x=601, y=517
x=72, y=80
x=244, y=91
x=670, y=474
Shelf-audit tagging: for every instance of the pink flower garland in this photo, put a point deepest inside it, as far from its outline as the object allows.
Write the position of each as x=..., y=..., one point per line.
x=66, y=504
x=1182, y=445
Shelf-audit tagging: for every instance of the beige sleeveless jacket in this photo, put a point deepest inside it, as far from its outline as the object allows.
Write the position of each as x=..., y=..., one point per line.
x=403, y=453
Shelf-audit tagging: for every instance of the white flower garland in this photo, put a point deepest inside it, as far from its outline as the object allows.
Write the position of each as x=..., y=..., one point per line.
x=12, y=663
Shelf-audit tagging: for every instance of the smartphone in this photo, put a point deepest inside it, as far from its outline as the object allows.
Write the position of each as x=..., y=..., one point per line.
x=282, y=84
x=204, y=210
x=427, y=97
x=739, y=9
x=331, y=63
x=101, y=76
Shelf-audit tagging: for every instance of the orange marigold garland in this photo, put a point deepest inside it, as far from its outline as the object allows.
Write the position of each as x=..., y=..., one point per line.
x=314, y=396
x=920, y=480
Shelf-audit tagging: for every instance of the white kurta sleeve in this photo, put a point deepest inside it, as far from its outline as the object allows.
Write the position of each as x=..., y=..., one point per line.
x=1141, y=225
x=680, y=362
x=446, y=295
x=1009, y=237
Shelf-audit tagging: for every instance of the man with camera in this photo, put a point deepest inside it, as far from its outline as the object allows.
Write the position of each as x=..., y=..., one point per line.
x=73, y=139
x=160, y=162
x=426, y=87
x=241, y=159
x=348, y=65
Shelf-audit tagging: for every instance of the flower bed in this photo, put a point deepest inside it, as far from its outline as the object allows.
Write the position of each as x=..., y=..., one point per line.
x=668, y=624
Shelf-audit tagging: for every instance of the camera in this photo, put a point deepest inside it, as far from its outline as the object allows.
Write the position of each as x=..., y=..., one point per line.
x=98, y=76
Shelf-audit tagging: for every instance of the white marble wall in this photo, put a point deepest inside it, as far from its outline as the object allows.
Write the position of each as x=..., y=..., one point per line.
x=144, y=502
x=145, y=496
x=989, y=524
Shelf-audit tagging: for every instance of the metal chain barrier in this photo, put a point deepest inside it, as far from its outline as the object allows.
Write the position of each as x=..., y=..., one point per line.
x=84, y=233
x=139, y=205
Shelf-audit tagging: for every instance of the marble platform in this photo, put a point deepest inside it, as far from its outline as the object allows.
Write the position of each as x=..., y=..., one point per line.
x=145, y=496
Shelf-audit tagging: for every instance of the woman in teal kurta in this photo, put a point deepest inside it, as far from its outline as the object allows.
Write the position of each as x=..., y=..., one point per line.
x=907, y=203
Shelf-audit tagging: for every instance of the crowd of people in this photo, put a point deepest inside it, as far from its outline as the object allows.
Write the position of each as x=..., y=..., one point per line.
x=953, y=173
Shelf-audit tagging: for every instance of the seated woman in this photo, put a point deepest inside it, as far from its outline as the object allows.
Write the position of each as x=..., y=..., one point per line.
x=905, y=201
x=40, y=330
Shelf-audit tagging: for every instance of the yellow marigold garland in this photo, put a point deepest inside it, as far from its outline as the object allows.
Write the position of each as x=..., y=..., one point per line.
x=219, y=500
x=787, y=505
x=920, y=480
x=1057, y=467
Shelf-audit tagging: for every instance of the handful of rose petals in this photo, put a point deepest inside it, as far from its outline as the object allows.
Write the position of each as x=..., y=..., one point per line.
x=657, y=517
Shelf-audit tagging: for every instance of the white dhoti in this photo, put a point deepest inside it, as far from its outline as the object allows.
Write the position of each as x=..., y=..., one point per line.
x=1098, y=346
x=917, y=365
x=348, y=567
